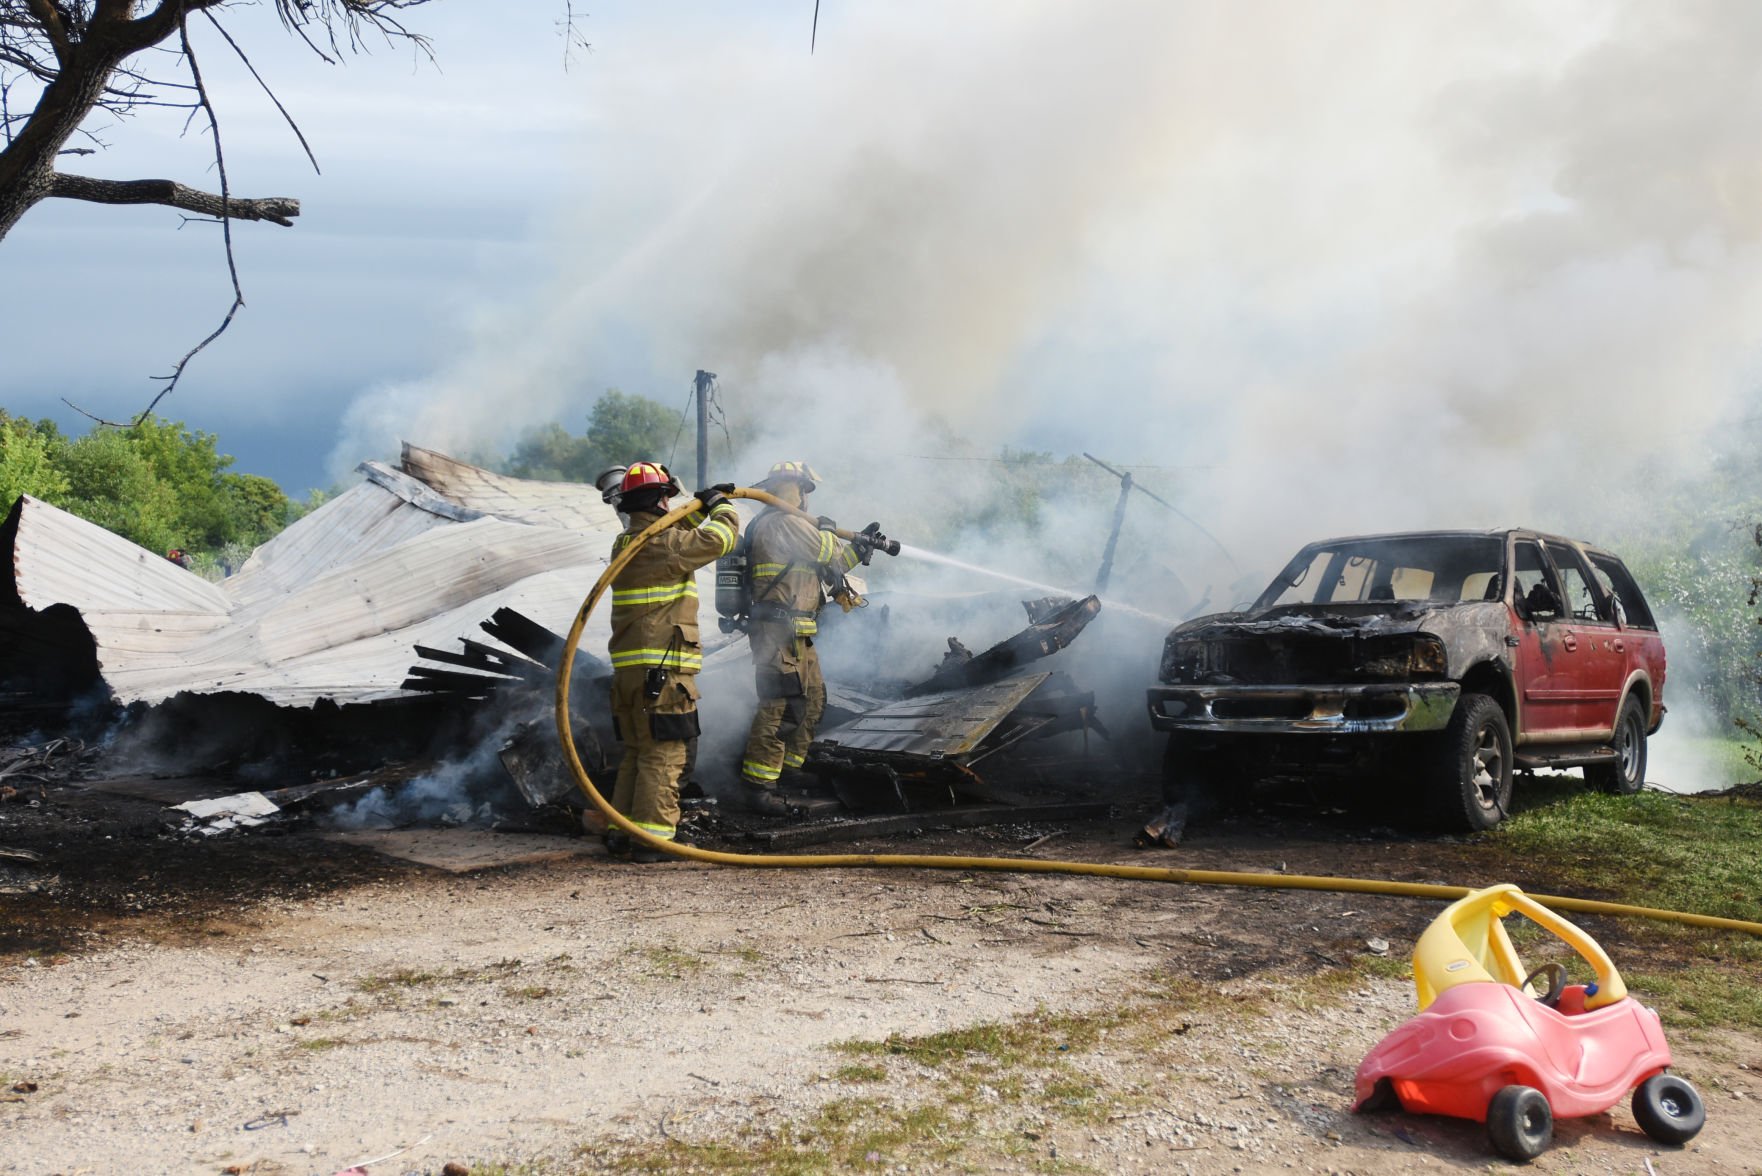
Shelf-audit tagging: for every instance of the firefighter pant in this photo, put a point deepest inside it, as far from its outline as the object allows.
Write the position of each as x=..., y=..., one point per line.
x=792, y=697
x=654, y=732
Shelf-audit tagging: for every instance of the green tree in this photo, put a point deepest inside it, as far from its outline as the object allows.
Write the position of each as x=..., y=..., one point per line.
x=549, y=453
x=156, y=482
x=256, y=509
x=621, y=428
x=27, y=463
x=109, y=482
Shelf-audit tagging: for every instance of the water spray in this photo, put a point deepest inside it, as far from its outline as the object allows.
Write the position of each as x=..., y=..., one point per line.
x=927, y=556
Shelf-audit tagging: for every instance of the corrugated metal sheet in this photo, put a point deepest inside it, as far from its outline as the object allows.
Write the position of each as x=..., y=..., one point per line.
x=333, y=607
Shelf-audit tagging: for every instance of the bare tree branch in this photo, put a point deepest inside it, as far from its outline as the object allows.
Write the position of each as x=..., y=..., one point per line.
x=572, y=38
x=232, y=269
x=279, y=209
x=50, y=16
x=90, y=416
x=292, y=125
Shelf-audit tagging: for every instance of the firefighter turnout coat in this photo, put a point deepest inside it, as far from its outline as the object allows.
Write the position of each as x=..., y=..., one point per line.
x=790, y=559
x=656, y=657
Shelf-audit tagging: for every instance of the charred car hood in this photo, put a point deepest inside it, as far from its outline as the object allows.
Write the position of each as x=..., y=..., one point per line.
x=1320, y=642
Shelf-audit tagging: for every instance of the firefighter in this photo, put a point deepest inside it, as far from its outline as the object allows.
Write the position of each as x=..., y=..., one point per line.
x=654, y=647
x=790, y=558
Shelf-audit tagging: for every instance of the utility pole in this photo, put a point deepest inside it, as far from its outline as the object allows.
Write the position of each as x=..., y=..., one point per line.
x=1113, y=536
x=704, y=380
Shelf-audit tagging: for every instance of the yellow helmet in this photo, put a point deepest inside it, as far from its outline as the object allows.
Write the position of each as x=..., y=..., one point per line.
x=793, y=471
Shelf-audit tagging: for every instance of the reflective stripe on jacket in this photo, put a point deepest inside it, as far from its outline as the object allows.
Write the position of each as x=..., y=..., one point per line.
x=780, y=539
x=654, y=599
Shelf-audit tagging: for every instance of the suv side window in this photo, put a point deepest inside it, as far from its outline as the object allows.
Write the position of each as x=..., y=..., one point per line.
x=1620, y=583
x=1528, y=571
x=1581, y=600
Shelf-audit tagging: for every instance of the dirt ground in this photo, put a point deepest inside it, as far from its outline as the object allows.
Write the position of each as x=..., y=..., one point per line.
x=271, y=1002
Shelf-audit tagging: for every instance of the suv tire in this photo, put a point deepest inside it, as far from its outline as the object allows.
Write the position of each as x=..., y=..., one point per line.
x=1471, y=766
x=1627, y=775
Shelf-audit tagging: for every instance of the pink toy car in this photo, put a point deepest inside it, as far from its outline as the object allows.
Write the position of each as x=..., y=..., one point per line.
x=1487, y=1046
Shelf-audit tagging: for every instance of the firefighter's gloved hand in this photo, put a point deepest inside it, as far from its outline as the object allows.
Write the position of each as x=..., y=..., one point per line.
x=712, y=497
x=825, y=523
x=870, y=540
x=863, y=542
x=724, y=487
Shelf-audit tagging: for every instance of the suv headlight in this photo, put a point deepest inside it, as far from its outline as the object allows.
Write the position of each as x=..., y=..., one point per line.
x=1416, y=655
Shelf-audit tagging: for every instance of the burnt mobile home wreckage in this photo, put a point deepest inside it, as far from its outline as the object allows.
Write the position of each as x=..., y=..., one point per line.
x=418, y=614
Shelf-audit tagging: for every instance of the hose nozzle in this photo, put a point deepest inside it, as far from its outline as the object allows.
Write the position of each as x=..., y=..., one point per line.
x=870, y=540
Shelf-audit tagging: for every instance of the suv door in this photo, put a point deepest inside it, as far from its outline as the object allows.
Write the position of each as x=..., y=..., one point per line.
x=1645, y=648
x=1544, y=699
x=1595, y=666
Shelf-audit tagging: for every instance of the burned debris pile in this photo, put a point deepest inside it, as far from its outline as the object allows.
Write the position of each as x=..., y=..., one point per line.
x=404, y=637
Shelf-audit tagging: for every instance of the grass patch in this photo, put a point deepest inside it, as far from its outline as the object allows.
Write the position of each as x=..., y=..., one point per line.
x=667, y=963
x=848, y=1134
x=973, y=1084
x=860, y=1073
x=401, y=978
x=1701, y=996
x=1388, y=967
x=1025, y=1041
x=1682, y=853
x=1685, y=853
x=320, y=1044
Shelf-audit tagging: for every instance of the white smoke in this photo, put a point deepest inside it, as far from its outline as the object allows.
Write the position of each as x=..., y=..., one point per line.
x=1354, y=268
x=1312, y=269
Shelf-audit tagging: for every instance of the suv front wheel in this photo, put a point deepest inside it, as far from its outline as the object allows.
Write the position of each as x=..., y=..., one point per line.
x=1471, y=766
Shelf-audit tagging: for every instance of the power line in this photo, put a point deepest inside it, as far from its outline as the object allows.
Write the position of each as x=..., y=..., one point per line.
x=680, y=431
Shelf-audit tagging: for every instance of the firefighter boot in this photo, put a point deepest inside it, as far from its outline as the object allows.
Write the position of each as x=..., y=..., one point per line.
x=648, y=855
x=764, y=801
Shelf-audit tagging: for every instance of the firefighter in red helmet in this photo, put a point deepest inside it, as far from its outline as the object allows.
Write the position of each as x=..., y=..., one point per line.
x=789, y=560
x=654, y=646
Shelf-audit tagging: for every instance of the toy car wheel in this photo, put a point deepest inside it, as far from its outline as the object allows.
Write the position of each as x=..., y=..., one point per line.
x=1471, y=773
x=1520, y=1122
x=1668, y=1109
x=1627, y=775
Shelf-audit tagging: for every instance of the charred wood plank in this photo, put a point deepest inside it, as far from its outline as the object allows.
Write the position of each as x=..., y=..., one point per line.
x=517, y=631
x=468, y=660
x=433, y=681
x=511, y=664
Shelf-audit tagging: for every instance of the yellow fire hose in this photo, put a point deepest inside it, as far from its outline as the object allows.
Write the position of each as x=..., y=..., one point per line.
x=1012, y=865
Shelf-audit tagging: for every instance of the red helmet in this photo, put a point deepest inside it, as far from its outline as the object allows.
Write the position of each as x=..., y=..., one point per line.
x=649, y=473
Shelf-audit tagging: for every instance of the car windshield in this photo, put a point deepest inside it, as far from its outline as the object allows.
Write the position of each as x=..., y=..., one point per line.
x=1438, y=568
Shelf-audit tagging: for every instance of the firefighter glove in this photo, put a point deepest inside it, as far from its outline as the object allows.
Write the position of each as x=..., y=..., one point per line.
x=874, y=540
x=712, y=497
x=825, y=523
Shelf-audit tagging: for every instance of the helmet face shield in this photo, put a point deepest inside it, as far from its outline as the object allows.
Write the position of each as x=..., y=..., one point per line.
x=610, y=484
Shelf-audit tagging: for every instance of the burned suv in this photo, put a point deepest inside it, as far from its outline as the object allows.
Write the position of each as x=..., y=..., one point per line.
x=1437, y=661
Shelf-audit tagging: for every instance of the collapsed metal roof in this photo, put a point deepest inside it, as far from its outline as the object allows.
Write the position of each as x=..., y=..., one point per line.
x=331, y=608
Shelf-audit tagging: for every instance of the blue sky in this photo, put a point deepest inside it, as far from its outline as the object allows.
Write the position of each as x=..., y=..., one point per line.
x=1293, y=253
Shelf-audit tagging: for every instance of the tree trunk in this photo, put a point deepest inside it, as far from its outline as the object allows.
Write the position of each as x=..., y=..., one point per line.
x=28, y=163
